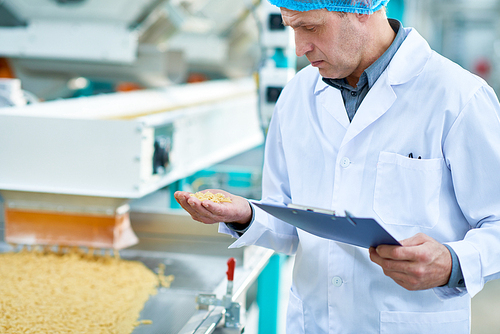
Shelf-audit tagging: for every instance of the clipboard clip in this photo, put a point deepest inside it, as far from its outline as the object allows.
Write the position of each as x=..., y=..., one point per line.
x=309, y=208
x=349, y=218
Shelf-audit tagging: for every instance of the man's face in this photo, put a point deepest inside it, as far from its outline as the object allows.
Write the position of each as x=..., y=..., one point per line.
x=331, y=42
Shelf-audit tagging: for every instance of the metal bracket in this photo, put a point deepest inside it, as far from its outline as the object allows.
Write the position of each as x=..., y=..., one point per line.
x=232, y=314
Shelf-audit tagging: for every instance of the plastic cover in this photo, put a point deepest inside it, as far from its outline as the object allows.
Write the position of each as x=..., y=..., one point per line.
x=350, y=6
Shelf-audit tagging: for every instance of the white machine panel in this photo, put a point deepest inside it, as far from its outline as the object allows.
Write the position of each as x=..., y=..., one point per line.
x=95, y=41
x=58, y=147
x=91, y=30
x=89, y=10
x=68, y=156
x=274, y=33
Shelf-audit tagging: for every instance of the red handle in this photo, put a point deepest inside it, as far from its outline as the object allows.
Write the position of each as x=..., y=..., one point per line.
x=231, y=263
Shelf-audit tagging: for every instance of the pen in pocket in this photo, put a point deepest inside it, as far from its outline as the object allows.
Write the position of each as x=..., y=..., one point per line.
x=411, y=156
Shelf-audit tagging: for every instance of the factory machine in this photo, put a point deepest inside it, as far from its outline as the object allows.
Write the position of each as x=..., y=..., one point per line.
x=72, y=167
x=467, y=32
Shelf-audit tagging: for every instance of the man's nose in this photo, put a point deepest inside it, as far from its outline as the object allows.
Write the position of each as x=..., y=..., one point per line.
x=302, y=46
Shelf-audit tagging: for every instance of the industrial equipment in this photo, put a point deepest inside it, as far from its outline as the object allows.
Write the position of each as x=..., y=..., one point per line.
x=74, y=165
x=71, y=167
x=232, y=309
x=278, y=59
x=467, y=32
x=149, y=42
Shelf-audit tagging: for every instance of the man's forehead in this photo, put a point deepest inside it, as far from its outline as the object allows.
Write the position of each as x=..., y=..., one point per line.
x=312, y=12
x=295, y=18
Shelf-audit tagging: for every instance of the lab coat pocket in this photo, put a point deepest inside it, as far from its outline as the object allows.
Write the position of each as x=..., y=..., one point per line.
x=295, y=315
x=453, y=322
x=407, y=190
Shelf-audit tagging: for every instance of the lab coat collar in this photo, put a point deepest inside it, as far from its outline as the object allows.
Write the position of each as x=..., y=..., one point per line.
x=410, y=59
x=320, y=85
x=408, y=62
x=375, y=104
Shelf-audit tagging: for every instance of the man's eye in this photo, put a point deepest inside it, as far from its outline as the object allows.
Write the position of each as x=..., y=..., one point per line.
x=310, y=28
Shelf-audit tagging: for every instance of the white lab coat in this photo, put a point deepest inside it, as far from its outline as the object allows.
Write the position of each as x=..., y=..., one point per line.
x=422, y=104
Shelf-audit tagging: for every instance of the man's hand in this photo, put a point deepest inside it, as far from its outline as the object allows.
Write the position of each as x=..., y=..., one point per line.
x=208, y=212
x=421, y=263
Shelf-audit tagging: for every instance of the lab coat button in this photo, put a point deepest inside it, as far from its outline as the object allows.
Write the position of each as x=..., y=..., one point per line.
x=337, y=281
x=345, y=162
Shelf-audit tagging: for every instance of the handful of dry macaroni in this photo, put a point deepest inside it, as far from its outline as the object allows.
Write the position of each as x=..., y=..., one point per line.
x=74, y=292
x=216, y=198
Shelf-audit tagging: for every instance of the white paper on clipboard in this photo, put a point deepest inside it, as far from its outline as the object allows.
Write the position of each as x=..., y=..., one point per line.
x=362, y=232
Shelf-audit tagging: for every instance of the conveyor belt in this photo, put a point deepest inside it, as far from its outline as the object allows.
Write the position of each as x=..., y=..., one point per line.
x=172, y=308
x=169, y=310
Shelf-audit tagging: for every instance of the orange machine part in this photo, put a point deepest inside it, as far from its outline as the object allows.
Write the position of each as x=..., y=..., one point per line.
x=5, y=69
x=31, y=227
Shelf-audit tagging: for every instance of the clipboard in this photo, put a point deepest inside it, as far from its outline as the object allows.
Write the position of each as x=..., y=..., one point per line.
x=362, y=232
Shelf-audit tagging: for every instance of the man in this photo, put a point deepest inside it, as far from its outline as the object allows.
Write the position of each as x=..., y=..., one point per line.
x=381, y=126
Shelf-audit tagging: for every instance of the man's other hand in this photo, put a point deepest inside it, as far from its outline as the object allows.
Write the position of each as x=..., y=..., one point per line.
x=421, y=263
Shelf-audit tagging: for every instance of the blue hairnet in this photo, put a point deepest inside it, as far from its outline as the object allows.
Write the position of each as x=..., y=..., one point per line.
x=350, y=6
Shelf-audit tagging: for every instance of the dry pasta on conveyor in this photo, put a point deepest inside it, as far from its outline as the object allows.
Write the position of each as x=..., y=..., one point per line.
x=72, y=291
